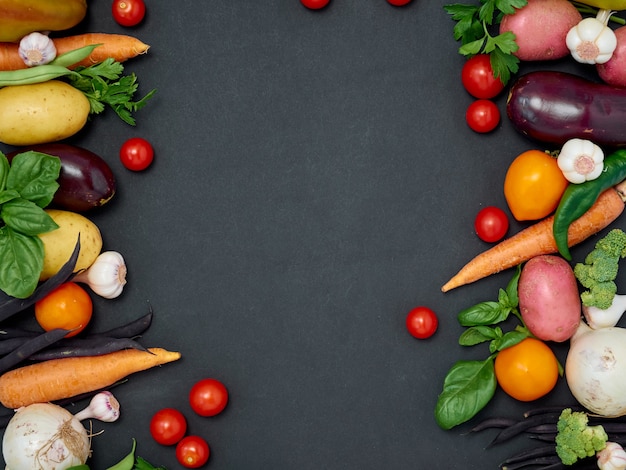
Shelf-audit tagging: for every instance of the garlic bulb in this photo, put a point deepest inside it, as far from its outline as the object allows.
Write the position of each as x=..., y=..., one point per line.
x=612, y=457
x=103, y=407
x=106, y=276
x=591, y=41
x=37, y=49
x=580, y=160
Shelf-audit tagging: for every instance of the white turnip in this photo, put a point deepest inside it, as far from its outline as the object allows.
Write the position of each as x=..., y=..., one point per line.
x=549, y=301
x=540, y=28
x=613, y=72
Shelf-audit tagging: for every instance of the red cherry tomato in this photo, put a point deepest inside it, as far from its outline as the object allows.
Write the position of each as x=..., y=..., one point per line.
x=128, y=12
x=192, y=452
x=168, y=426
x=482, y=116
x=208, y=397
x=491, y=224
x=478, y=80
x=315, y=4
x=136, y=154
x=422, y=322
x=399, y=3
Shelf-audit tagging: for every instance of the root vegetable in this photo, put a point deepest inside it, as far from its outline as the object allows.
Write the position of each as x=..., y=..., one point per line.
x=548, y=298
x=613, y=72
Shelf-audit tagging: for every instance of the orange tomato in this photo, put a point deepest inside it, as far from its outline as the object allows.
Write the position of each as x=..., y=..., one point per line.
x=528, y=370
x=69, y=306
x=533, y=185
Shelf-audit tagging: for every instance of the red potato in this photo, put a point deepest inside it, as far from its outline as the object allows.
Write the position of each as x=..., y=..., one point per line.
x=540, y=28
x=613, y=72
x=548, y=298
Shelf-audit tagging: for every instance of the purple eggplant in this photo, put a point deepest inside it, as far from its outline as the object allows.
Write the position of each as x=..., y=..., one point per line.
x=553, y=107
x=86, y=180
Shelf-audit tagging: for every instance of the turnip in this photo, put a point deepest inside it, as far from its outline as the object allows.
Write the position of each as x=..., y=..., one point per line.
x=540, y=28
x=549, y=301
x=613, y=72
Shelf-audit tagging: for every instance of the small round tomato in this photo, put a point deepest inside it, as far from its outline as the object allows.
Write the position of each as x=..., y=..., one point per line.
x=136, y=154
x=128, y=12
x=192, y=452
x=491, y=224
x=399, y=3
x=208, y=397
x=533, y=185
x=478, y=79
x=482, y=116
x=315, y=4
x=528, y=370
x=421, y=322
x=168, y=426
x=69, y=306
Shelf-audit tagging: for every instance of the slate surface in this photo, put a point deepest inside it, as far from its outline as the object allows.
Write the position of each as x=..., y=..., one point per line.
x=314, y=179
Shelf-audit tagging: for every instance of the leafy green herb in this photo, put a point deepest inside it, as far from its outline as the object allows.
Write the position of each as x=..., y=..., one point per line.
x=105, y=85
x=27, y=186
x=473, y=30
x=470, y=385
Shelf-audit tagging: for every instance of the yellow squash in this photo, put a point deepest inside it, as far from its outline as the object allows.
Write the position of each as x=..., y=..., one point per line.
x=21, y=17
x=614, y=5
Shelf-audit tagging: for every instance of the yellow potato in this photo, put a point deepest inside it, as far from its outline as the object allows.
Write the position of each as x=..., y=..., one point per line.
x=41, y=113
x=59, y=244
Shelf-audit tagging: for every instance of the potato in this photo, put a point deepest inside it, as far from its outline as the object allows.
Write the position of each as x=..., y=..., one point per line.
x=613, y=72
x=41, y=113
x=540, y=28
x=549, y=301
x=59, y=244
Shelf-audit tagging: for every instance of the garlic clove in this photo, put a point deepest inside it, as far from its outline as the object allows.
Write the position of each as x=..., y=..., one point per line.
x=106, y=276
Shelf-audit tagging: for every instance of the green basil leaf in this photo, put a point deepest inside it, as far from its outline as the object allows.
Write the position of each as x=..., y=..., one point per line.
x=127, y=462
x=511, y=288
x=8, y=195
x=467, y=388
x=507, y=340
x=34, y=175
x=26, y=217
x=478, y=334
x=22, y=262
x=4, y=170
x=484, y=313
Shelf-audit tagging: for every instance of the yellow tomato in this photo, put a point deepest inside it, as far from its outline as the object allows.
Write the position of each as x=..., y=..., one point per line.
x=69, y=306
x=533, y=185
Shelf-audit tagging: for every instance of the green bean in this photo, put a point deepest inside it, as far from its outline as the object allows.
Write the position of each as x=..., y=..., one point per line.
x=31, y=75
x=74, y=56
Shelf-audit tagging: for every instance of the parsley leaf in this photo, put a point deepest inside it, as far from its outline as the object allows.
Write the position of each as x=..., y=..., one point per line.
x=472, y=29
x=105, y=85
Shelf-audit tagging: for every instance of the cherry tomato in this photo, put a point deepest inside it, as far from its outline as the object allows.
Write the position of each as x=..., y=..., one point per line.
x=482, y=116
x=208, y=397
x=315, y=4
x=533, y=185
x=192, y=452
x=421, y=322
x=491, y=224
x=128, y=12
x=478, y=80
x=69, y=306
x=399, y=3
x=136, y=154
x=168, y=426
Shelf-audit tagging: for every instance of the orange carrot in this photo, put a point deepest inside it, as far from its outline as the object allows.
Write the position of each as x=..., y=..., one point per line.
x=58, y=379
x=538, y=240
x=117, y=46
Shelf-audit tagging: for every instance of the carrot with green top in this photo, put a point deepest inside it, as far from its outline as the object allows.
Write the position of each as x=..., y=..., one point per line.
x=58, y=379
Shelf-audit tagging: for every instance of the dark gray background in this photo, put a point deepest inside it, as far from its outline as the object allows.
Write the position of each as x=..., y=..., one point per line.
x=314, y=180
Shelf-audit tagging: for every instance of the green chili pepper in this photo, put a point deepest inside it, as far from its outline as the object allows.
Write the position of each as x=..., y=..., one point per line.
x=578, y=198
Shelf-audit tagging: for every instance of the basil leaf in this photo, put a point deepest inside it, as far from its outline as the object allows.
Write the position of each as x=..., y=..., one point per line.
x=511, y=288
x=34, y=175
x=484, y=313
x=22, y=262
x=26, y=217
x=478, y=334
x=507, y=340
x=4, y=170
x=7, y=195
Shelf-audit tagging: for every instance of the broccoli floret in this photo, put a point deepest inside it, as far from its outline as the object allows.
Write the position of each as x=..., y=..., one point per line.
x=599, y=270
x=576, y=439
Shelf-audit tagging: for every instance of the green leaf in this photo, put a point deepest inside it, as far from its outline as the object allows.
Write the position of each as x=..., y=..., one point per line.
x=22, y=262
x=8, y=195
x=484, y=313
x=34, y=175
x=472, y=48
x=508, y=7
x=511, y=288
x=467, y=388
x=510, y=338
x=26, y=217
x=478, y=334
x=4, y=170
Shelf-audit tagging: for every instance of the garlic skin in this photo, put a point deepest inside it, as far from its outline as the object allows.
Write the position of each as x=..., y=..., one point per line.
x=605, y=318
x=580, y=160
x=37, y=49
x=612, y=457
x=591, y=41
x=103, y=407
x=106, y=276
